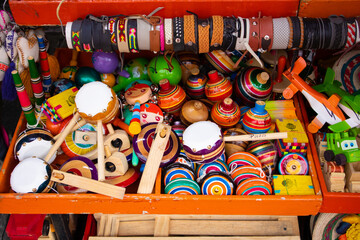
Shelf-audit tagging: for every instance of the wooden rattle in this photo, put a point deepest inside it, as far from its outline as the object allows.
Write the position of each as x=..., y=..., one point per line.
x=116, y=163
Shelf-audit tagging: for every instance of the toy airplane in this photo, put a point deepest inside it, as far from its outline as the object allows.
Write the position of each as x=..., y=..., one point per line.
x=326, y=108
x=350, y=104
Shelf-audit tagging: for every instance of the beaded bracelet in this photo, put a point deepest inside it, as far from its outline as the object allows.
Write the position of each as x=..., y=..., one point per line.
x=75, y=35
x=132, y=35
x=121, y=35
x=112, y=29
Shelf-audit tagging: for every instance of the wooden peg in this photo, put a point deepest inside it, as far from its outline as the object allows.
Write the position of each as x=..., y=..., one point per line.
x=154, y=159
x=87, y=137
x=88, y=184
x=78, y=125
x=100, y=148
x=256, y=137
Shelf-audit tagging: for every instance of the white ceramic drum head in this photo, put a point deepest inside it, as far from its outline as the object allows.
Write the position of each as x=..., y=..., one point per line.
x=201, y=135
x=93, y=98
x=30, y=175
x=38, y=148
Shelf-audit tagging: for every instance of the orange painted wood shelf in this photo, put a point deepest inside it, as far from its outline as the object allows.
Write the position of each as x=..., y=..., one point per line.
x=326, y=8
x=333, y=202
x=156, y=203
x=43, y=12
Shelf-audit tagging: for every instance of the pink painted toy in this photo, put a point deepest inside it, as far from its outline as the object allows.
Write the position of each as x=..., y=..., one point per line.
x=218, y=87
x=150, y=112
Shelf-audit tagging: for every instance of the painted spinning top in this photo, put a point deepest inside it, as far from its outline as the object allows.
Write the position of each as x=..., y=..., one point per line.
x=177, y=170
x=254, y=186
x=217, y=183
x=195, y=86
x=257, y=119
x=240, y=159
x=203, y=142
x=216, y=166
x=266, y=152
x=219, y=60
x=218, y=87
x=193, y=111
x=245, y=172
x=170, y=98
x=251, y=85
x=235, y=146
x=293, y=164
x=190, y=64
x=226, y=113
x=179, y=129
x=183, y=186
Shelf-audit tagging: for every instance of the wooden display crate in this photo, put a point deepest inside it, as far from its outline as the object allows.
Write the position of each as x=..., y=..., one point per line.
x=156, y=203
x=196, y=227
x=333, y=202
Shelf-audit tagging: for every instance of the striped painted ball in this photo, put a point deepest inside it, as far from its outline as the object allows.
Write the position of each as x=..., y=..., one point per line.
x=170, y=98
x=182, y=186
x=257, y=119
x=217, y=183
x=220, y=61
x=226, y=113
x=195, y=86
x=218, y=87
x=266, y=152
x=254, y=186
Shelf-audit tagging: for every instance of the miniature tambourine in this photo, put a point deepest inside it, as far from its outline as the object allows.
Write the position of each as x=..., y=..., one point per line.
x=216, y=166
x=217, y=183
x=242, y=173
x=293, y=164
x=177, y=170
x=347, y=70
x=183, y=186
x=203, y=142
x=80, y=166
x=254, y=186
x=32, y=175
x=34, y=142
x=240, y=159
x=143, y=141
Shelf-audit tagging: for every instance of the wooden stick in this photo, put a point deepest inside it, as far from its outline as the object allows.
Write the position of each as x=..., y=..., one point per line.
x=88, y=184
x=256, y=137
x=78, y=125
x=154, y=159
x=100, y=147
x=62, y=137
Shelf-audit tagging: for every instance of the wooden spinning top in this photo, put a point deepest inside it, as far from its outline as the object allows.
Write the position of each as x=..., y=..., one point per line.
x=226, y=113
x=218, y=87
x=193, y=111
x=170, y=98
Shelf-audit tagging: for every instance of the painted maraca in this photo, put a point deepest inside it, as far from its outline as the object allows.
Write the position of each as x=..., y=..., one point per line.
x=218, y=87
x=226, y=113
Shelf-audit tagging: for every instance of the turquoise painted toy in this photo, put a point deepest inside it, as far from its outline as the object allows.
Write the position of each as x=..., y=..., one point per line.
x=342, y=146
x=349, y=104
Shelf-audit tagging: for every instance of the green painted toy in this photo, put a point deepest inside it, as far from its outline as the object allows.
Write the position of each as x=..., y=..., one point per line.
x=159, y=69
x=342, y=148
x=137, y=69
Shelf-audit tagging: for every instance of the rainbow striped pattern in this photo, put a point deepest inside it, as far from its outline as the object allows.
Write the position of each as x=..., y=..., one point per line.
x=177, y=172
x=254, y=186
x=217, y=183
x=242, y=173
x=182, y=186
x=45, y=69
x=172, y=99
x=240, y=159
x=216, y=166
x=293, y=164
x=257, y=119
x=248, y=89
x=219, y=60
x=195, y=86
x=218, y=89
x=225, y=115
x=265, y=151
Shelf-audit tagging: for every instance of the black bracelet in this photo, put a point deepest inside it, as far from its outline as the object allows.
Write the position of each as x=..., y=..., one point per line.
x=132, y=35
x=296, y=32
x=178, y=33
x=229, y=40
x=75, y=35
x=96, y=34
x=339, y=29
x=327, y=33
x=106, y=37
x=86, y=35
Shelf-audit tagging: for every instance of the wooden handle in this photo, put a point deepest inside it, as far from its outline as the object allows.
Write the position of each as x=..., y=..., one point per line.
x=118, y=123
x=78, y=125
x=154, y=159
x=100, y=147
x=62, y=137
x=110, y=128
x=280, y=68
x=256, y=137
x=87, y=184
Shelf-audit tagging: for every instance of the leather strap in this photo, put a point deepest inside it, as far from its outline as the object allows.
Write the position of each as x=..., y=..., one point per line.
x=132, y=35
x=86, y=35
x=68, y=35
x=97, y=31
x=229, y=40
x=143, y=34
x=112, y=29
x=217, y=31
x=203, y=31
x=291, y=38
x=190, y=38
x=168, y=28
x=106, y=39
x=254, y=39
x=75, y=35
x=122, y=37
x=155, y=38
x=178, y=29
x=266, y=33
